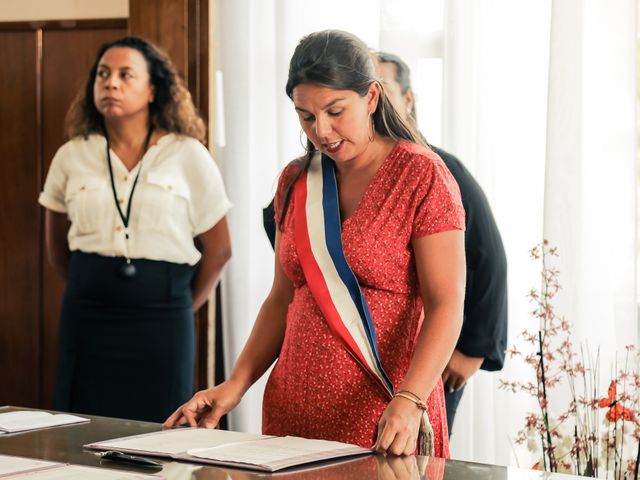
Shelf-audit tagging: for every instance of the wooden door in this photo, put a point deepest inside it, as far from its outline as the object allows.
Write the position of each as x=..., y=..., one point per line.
x=65, y=67
x=43, y=66
x=20, y=254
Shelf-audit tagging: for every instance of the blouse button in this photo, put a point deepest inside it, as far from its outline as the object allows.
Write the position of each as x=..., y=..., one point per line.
x=169, y=187
x=118, y=228
x=82, y=187
x=126, y=178
x=120, y=199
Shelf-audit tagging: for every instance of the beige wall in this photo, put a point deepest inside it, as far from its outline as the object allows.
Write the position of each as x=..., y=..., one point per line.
x=27, y=10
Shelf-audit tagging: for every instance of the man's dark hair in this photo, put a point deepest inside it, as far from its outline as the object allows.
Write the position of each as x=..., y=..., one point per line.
x=403, y=72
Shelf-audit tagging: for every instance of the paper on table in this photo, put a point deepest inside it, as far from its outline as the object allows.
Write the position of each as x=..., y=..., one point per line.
x=10, y=464
x=171, y=442
x=77, y=472
x=276, y=453
x=235, y=449
x=23, y=420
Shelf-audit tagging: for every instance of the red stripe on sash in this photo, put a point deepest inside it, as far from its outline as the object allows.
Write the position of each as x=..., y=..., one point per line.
x=313, y=274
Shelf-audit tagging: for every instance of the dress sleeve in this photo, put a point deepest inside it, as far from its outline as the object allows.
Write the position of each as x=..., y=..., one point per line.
x=209, y=201
x=439, y=204
x=285, y=188
x=52, y=196
x=269, y=223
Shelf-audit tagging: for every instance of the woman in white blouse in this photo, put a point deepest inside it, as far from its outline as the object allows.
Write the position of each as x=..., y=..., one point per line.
x=135, y=221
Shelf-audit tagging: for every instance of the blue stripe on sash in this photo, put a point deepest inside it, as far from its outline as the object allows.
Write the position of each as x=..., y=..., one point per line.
x=333, y=234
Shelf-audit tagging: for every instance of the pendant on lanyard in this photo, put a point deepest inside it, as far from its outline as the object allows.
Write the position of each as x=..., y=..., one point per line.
x=128, y=269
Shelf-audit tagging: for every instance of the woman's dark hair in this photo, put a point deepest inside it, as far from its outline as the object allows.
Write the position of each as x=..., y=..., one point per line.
x=172, y=108
x=341, y=61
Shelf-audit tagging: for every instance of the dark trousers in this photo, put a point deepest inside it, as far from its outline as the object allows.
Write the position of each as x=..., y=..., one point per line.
x=451, y=400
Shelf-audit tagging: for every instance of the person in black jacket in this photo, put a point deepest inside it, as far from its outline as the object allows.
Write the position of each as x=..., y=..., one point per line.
x=483, y=338
x=482, y=342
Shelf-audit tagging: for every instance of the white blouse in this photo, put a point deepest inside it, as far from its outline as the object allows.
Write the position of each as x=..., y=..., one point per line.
x=179, y=195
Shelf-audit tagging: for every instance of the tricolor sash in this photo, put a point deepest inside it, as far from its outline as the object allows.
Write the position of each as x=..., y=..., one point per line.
x=334, y=286
x=318, y=239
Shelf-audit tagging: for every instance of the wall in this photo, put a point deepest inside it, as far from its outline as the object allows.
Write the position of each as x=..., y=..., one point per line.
x=27, y=10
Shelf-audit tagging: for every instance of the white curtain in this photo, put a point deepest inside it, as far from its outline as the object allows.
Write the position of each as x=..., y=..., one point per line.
x=496, y=64
x=590, y=176
x=254, y=42
x=537, y=99
x=541, y=106
x=245, y=42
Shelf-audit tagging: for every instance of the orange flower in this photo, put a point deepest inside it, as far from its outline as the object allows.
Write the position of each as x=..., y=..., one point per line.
x=616, y=411
x=611, y=397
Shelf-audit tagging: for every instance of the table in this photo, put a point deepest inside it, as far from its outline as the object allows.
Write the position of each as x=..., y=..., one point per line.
x=64, y=444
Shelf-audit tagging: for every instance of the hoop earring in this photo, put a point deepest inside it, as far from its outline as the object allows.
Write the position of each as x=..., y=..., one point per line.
x=371, y=128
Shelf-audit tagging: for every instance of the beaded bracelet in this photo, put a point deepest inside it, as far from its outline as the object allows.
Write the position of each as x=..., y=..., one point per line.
x=412, y=397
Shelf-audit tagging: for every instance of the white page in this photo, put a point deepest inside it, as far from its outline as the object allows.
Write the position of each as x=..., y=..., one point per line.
x=171, y=442
x=278, y=451
x=10, y=464
x=30, y=420
x=77, y=472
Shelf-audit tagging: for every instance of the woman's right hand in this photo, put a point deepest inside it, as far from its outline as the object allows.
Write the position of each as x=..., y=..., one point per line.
x=207, y=407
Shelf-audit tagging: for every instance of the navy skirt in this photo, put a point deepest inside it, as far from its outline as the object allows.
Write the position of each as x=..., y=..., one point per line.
x=126, y=345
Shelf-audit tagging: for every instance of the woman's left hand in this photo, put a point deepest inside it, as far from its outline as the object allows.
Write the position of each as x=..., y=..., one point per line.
x=398, y=428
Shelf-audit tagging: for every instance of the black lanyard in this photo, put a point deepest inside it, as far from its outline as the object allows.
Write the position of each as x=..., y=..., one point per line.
x=128, y=269
x=127, y=217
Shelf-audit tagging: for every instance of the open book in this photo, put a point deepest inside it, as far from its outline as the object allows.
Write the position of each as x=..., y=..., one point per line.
x=23, y=420
x=235, y=449
x=22, y=468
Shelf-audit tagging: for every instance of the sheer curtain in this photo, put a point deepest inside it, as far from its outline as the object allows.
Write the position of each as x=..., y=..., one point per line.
x=254, y=42
x=541, y=107
x=496, y=57
x=537, y=99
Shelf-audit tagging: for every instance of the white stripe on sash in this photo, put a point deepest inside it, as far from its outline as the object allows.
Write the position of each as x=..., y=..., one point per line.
x=339, y=293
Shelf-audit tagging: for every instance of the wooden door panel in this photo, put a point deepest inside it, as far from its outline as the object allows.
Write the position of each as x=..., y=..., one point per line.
x=67, y=57
x=19, y=221
x=165, y=23
x=44, y=66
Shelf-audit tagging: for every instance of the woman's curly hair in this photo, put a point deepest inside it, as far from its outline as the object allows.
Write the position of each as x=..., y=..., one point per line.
x=172, y=108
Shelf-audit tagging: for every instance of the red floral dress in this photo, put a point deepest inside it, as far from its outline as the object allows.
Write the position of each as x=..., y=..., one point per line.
x=316, y=390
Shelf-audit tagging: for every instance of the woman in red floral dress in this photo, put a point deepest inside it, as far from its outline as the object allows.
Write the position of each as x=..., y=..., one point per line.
x=402, y=235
